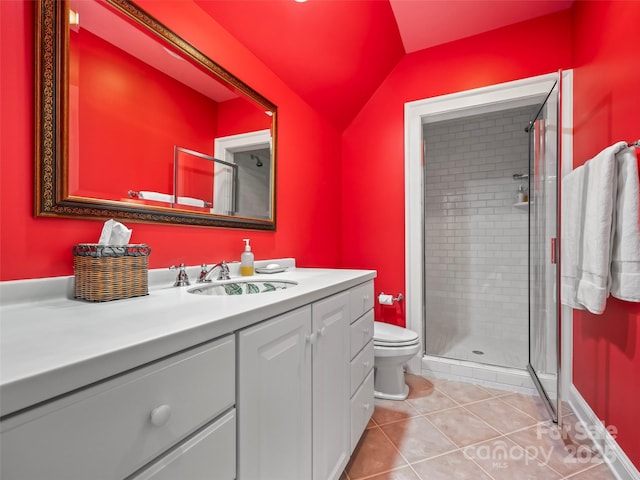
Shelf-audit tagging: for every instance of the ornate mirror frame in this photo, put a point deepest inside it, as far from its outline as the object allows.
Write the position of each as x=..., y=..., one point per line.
x=52, y=198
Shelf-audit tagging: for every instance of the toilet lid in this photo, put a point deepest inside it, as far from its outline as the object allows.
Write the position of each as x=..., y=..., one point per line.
x=385, y=334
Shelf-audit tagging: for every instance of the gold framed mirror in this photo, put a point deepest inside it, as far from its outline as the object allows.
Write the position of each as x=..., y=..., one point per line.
x=117, y=95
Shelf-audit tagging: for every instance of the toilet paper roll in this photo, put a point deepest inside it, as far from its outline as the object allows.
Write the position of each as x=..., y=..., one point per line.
x=385, y=299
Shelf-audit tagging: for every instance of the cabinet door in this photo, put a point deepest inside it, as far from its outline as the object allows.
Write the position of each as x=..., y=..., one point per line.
x=274, y=398
x=331, y=387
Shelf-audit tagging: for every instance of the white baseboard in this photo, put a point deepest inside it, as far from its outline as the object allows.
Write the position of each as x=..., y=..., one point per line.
x=607, y=446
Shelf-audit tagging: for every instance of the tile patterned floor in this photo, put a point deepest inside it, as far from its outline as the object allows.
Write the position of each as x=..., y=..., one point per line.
x=450, y=430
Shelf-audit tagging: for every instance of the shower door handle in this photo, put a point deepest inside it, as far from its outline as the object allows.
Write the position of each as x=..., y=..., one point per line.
x=553, y=250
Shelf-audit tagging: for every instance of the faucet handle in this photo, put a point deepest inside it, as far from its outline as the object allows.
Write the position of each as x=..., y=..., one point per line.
x=182, y=279
x=224, y=271
x=203, y=273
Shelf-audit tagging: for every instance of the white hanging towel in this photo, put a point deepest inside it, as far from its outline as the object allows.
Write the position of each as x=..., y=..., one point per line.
x=194, y=202
x=600, y=188
x=572, y=209
x=155, y=196
x=625, y=256
x=589, y=220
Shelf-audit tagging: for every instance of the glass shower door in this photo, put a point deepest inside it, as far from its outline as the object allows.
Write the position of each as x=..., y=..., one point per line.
x=543, y=250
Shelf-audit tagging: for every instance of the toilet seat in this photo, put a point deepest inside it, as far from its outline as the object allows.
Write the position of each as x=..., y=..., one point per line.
x=387, y=335
x=378, y=343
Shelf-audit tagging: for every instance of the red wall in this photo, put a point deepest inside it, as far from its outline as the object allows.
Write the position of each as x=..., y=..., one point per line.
x=126, y=109
x=241, y=116
x=606, y=348
x=372, y=148
x=308, y=196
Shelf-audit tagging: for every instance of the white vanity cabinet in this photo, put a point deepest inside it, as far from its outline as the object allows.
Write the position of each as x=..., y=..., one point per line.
x=362, y=359
x=274, y=398
x=116, y=428
x=294, y=394
x=210, y=454
x=174, y=386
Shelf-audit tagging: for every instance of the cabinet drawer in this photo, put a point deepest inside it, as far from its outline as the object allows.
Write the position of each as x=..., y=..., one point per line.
x=209, y=454
x=361, y=299
x=361, y=409
x=361, y=366
x=361, y=333
x=111, y=429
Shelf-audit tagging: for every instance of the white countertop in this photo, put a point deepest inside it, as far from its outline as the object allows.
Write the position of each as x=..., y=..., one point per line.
x=51, y=345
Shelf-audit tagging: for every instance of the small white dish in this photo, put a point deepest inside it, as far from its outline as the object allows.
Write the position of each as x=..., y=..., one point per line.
x=271, y=268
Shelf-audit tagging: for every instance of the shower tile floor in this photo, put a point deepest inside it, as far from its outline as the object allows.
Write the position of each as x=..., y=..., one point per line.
x=495, y=351
x=451, y=430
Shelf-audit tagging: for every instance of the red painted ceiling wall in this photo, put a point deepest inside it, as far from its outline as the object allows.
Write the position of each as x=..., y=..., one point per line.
x=337, y=53
x=372, y=147
x=606, y=348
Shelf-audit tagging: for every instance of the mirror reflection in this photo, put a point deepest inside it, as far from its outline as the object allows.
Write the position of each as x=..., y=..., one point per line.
x=152, y=125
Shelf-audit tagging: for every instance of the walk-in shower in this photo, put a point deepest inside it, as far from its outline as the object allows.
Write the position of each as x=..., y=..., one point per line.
x=476, y=237
x=481, y=230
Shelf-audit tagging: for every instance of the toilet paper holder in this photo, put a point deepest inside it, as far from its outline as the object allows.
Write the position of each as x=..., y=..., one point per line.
x=384, y=299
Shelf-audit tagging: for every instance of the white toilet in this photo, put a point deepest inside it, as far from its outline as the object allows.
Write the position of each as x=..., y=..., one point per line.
x=393, y=346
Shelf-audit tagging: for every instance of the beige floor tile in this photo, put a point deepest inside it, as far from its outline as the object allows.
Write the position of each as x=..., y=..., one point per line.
x=418, y=384
x=486, y=438
x=529, y=404
x=462, y=427
x=566, y=409
x=566, y=453
x=576, y=430
x=431, y=401
x=462, y=392
x=500, y=415
x=497, y=392
x=387, y=411
x=504, y=460
x=599, y=472
x=452, y=466
x=417, y=439
x=404, y=473
x=374, y=454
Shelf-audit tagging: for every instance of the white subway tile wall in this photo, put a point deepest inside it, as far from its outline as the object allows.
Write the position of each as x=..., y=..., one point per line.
x=475, y=239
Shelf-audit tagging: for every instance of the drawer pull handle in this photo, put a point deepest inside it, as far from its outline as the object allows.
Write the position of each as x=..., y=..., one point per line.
x=322, y=331
x=160, y=415
x=366, y=407
x=311, y=339
x=365, y=331
x=365, y=365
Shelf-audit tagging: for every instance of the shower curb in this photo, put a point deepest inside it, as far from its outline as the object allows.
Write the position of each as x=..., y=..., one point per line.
x=493, y=376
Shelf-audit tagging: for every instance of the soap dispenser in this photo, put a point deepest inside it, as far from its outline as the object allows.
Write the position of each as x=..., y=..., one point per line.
x=246, y=260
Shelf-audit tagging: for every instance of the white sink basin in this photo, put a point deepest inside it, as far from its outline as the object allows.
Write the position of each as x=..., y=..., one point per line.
x=242, y=287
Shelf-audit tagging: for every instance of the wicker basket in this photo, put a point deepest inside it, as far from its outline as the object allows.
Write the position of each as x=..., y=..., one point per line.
x=110, y=272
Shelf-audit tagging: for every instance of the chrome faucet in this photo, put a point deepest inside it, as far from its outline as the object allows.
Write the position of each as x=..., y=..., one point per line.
x=182, y=279
x=206, y=274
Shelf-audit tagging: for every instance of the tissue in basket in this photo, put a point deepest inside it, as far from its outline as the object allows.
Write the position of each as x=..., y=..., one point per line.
x=110, y=272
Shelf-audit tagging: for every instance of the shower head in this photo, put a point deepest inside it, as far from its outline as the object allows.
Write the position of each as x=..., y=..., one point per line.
x=257, y=159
